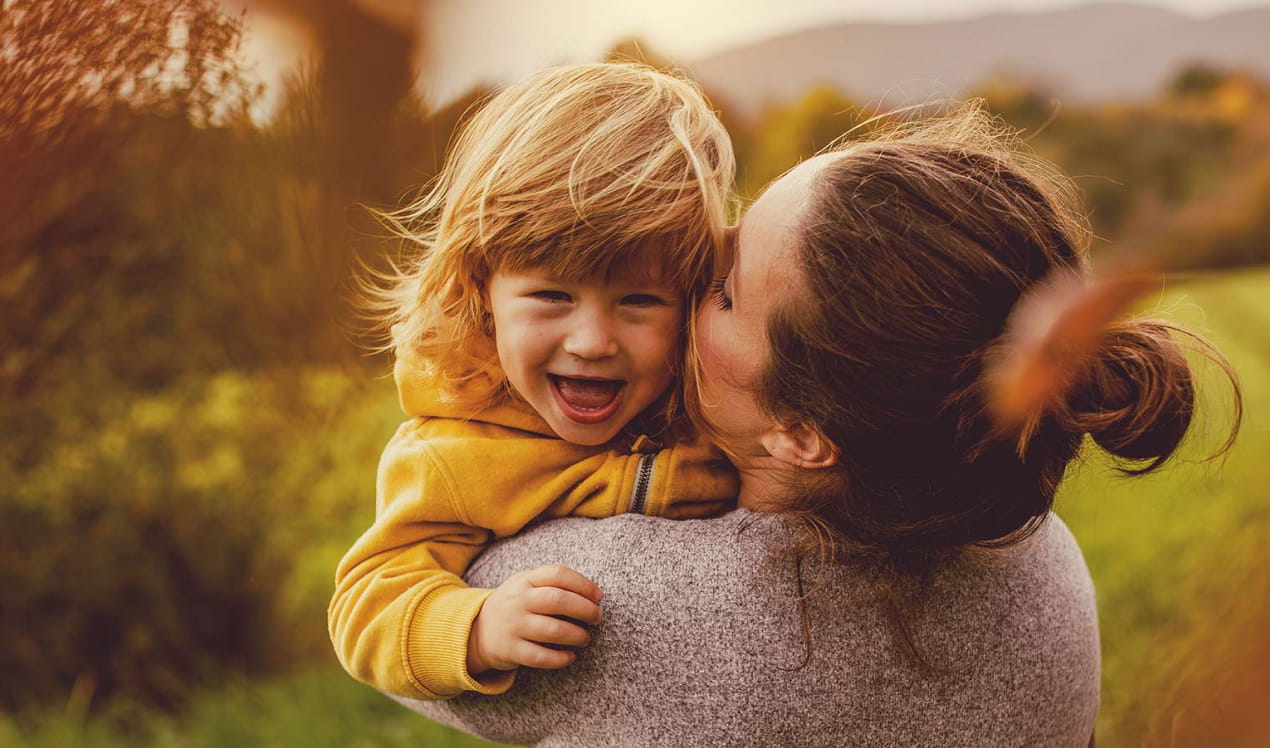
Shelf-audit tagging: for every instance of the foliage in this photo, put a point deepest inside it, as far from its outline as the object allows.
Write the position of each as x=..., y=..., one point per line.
x=307, y=710
x=1029, y=107
x=68, y=65
x=151, y=240
x=1178, y=176
x=789, y=134
x=171, y=278
x=147, y=543
x=1177, y=559
x=1150, y=173
x=97, y=110
x=1229, y=225
x=1126, y=159
x=1196, y=80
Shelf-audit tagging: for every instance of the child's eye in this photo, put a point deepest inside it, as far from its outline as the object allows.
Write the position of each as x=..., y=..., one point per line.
x=717, y=293
x=554, y=297
x=644, y=299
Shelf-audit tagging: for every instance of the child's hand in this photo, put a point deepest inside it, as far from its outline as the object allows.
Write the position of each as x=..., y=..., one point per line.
x=529, y=610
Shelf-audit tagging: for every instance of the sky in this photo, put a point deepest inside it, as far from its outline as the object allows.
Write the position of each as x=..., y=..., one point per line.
x=468, y=42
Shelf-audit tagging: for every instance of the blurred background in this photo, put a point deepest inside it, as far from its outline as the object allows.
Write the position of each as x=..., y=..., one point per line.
x=191, y=423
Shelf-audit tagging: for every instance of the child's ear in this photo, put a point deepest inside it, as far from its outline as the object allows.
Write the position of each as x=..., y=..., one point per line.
x=800, y=445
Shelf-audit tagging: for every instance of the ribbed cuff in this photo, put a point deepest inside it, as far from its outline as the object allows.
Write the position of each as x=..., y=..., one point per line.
x=435, y=649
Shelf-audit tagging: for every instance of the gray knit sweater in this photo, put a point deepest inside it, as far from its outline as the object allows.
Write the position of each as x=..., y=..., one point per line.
x=702, y=644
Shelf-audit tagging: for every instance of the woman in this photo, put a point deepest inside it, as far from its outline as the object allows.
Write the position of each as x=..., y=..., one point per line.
x=892, y=575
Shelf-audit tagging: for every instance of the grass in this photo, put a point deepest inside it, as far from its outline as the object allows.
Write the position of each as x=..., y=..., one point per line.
x=1177, y=558
x=322, y=707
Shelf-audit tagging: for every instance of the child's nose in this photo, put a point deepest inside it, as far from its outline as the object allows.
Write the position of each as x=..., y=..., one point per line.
x=591, y=338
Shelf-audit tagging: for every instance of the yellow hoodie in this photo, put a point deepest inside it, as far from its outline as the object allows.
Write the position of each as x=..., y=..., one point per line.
x=452, y=480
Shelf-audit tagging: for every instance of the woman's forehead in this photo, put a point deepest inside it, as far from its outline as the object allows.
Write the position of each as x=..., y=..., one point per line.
x=775, y=218
x=785, y=200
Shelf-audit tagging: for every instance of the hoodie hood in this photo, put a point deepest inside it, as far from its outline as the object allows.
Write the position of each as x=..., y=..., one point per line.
x=421, y=395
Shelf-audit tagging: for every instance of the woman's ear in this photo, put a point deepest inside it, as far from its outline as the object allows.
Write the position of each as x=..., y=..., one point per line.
x=800, y=445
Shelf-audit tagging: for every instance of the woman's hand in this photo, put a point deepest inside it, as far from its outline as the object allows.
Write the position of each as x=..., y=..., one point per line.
x=528, y=612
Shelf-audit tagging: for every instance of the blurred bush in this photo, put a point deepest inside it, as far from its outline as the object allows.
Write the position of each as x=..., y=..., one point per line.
x=147, y=543
x=788, y=134
x=1182, y=176
x=174, y=348
x=150, y=229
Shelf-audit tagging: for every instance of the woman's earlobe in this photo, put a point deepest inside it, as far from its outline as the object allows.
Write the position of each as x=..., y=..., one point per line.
x=801, y=446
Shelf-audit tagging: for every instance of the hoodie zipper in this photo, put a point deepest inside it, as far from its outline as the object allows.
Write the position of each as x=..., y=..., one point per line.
x=643, y=480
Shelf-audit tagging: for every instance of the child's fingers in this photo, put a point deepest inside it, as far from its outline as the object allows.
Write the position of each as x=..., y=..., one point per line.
x=551, y=630
x=554, y=601
x=534, y=655
x=566, y=579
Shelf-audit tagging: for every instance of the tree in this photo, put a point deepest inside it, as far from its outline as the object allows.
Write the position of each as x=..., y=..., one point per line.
x=67, y=65
x=1196, y=80
x=786, y=135
x=83, y=88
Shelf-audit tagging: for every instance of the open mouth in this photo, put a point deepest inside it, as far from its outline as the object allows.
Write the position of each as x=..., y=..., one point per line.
x=587, y=400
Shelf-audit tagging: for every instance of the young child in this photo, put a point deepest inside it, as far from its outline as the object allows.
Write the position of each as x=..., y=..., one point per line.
x=537, y=341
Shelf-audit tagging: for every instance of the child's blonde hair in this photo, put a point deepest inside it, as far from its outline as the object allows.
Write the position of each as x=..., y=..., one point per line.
x=580, y=171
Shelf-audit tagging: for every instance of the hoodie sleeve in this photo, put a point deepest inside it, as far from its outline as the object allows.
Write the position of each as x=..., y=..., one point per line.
x=692, y=480
x=447, y=487
x=401, y=615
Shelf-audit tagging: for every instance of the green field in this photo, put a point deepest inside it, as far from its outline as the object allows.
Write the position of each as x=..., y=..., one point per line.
x=1177, y=557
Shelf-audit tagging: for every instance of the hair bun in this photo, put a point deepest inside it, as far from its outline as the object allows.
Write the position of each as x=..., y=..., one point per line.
x=1137, y=396
x=1068, y=357
x=1054, y=336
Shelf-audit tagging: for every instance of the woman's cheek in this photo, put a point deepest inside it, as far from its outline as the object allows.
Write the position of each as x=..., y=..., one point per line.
x=708, y=343
x=712, y=368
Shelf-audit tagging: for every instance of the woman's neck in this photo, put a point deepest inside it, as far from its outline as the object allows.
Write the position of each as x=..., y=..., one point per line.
x=765, y=485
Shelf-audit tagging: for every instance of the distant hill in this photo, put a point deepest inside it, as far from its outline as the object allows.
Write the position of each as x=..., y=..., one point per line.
x=1091, y=53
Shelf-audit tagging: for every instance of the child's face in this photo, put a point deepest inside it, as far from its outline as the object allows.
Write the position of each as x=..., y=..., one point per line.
x=588, y=356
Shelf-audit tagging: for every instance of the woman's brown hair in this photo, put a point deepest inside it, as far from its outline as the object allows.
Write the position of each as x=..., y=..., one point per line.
x=915, y=248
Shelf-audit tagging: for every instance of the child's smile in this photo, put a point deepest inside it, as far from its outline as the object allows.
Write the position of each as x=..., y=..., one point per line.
x=588, y=356
x=587, y=400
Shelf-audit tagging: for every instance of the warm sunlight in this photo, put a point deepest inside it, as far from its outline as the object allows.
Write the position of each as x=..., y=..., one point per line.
x=366, y=347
